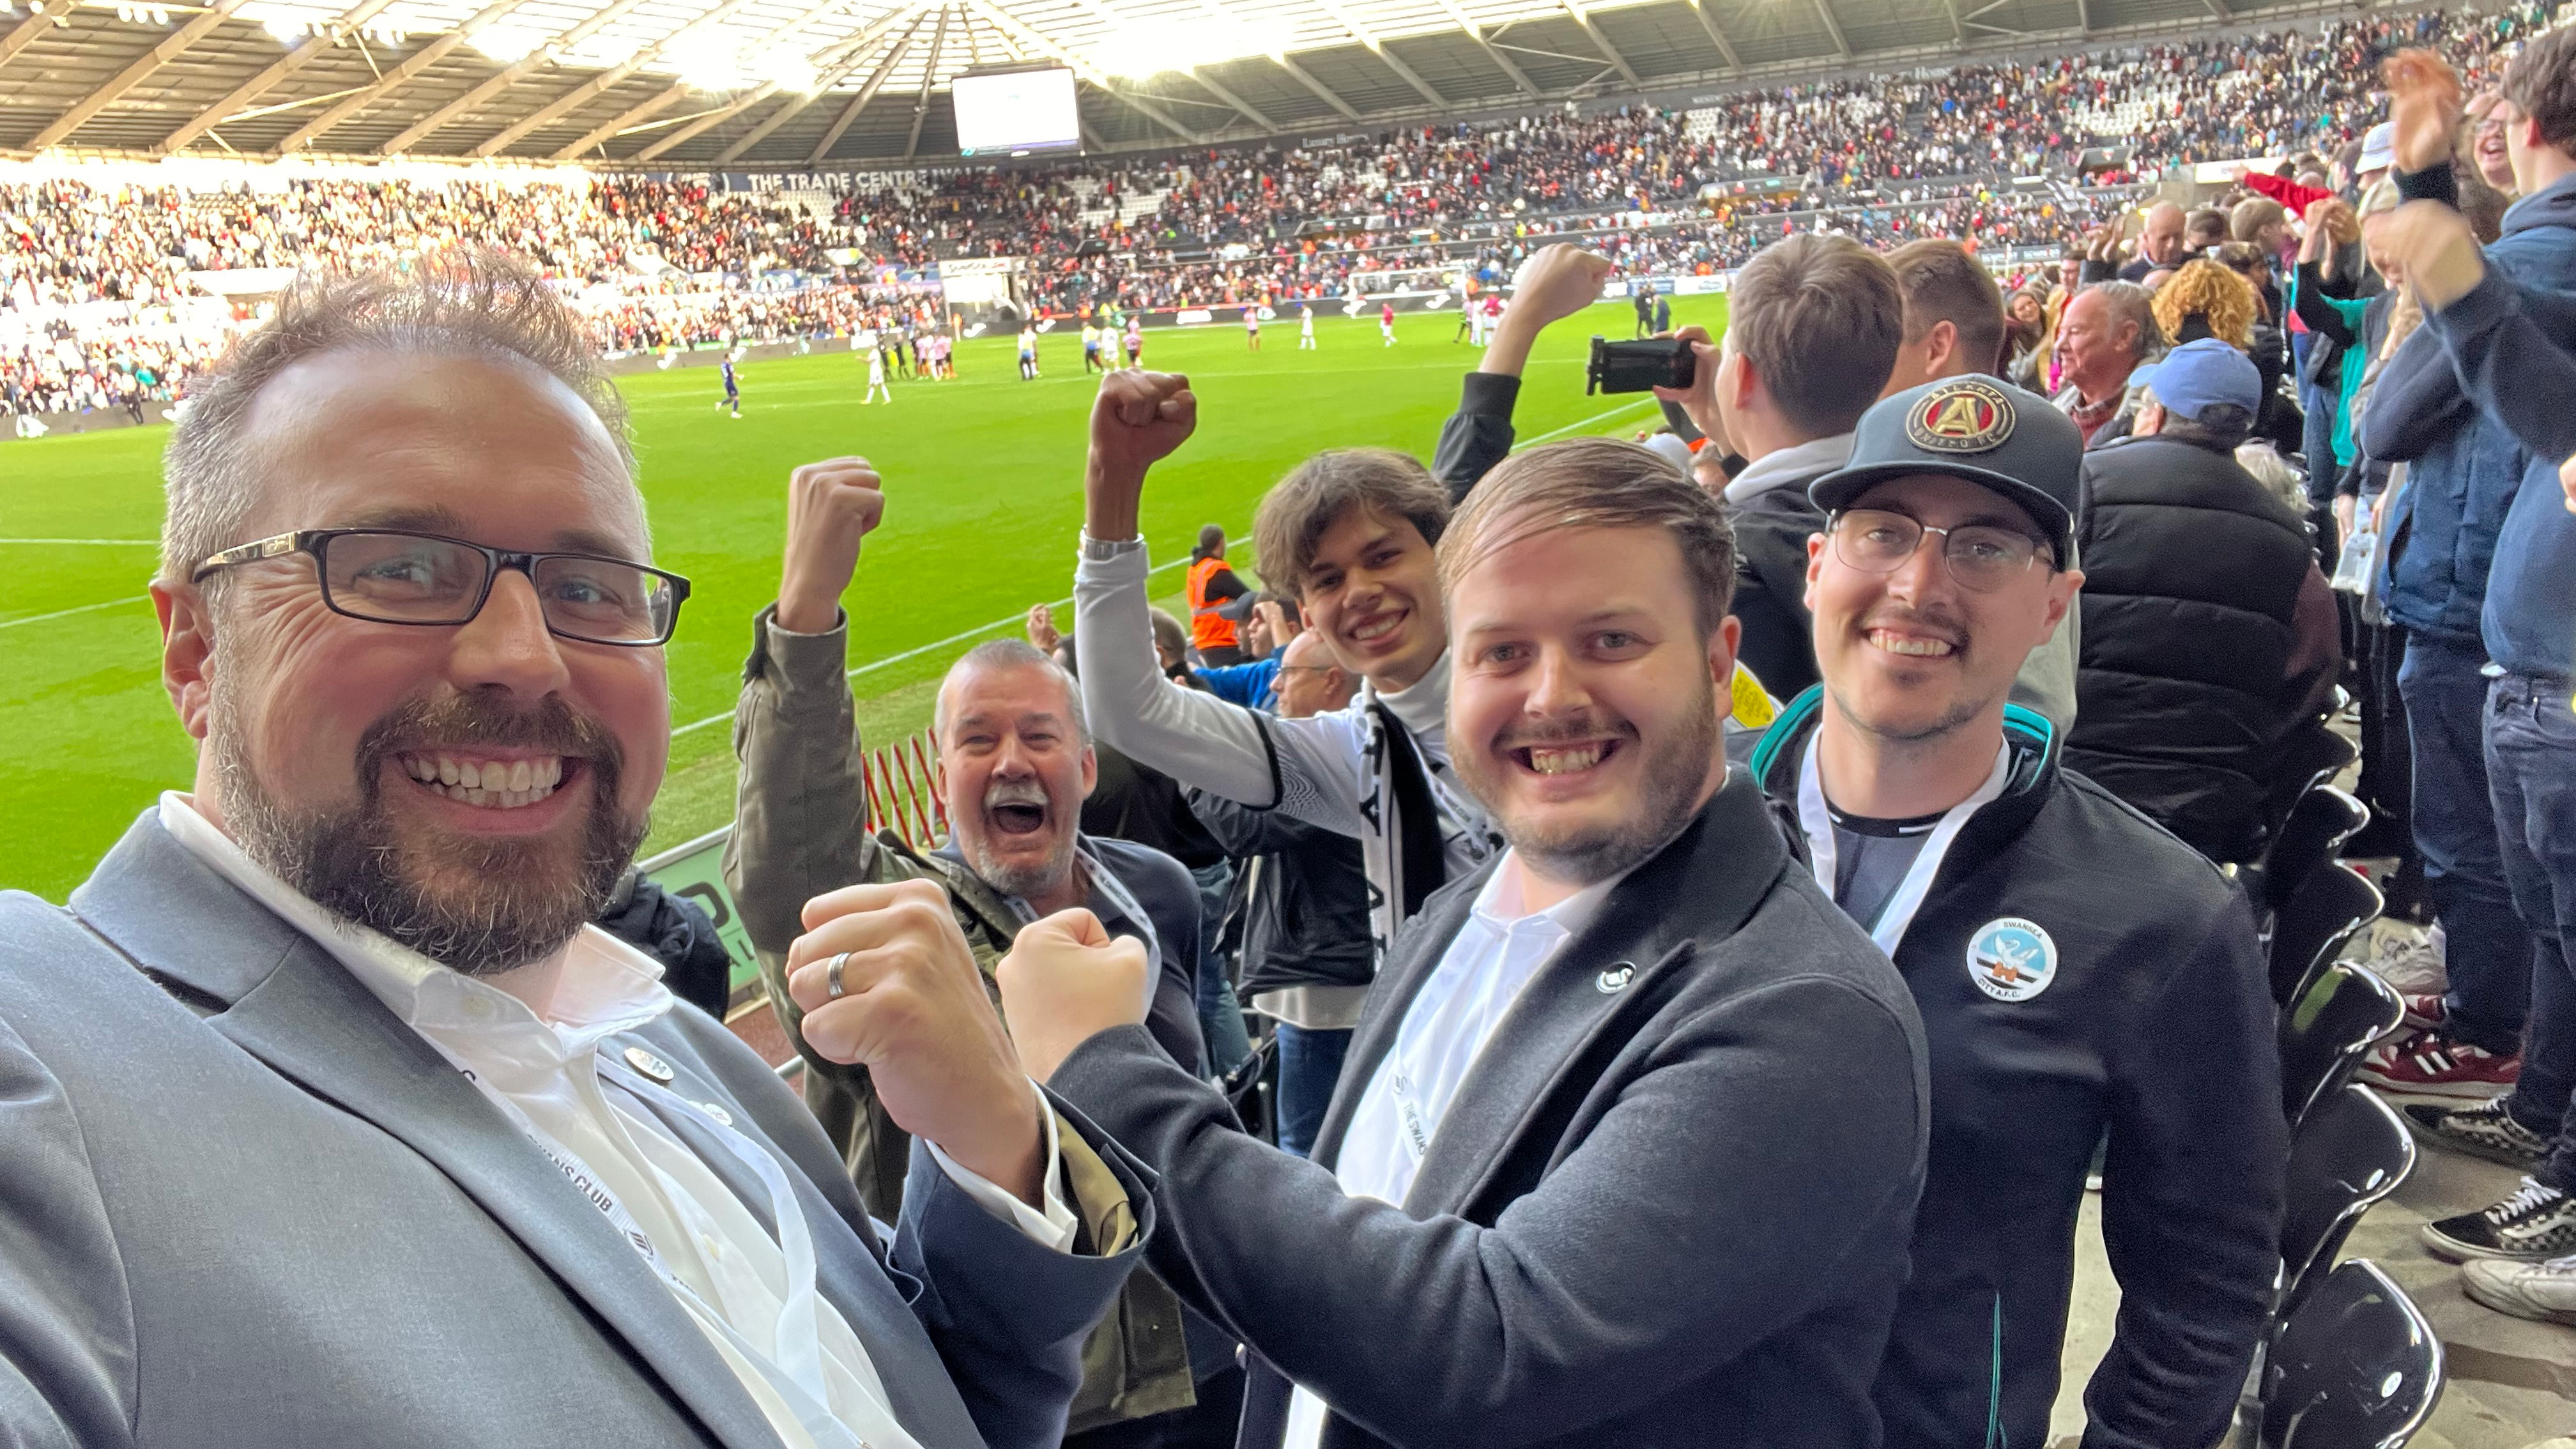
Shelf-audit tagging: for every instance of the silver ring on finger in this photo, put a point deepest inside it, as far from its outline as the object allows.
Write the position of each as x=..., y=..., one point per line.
x=832, y=988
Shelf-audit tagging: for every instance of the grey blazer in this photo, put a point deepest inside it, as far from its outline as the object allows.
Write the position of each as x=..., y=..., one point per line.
x=242, y=1204
x=1670, y=1206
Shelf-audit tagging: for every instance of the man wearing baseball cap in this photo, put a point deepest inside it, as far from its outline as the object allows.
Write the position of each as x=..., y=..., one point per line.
x=2079, y=972
x=2209, y=647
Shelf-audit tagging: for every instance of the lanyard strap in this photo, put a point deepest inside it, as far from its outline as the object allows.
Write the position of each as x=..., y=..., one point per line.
x=1818, y=823
x=795, y=1371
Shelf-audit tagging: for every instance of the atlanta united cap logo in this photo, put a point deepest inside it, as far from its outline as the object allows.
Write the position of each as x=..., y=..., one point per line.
x=1965, y=416
x=2011, y=959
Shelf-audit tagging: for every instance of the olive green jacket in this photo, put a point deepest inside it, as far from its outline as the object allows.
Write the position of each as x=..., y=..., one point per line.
x=800, y=830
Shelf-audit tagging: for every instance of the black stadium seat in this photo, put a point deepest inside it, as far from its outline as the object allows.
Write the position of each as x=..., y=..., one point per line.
x=2351, y=1152
x=2325, y=912
x=2357, y=1367
x=2318, y=825
x=2328, y=1030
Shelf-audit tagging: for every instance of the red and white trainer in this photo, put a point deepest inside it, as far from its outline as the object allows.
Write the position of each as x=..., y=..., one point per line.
x=2434, y=1065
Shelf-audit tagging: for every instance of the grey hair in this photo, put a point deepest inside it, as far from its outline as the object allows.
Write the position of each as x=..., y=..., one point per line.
x=1008, y=654
x=465, y=303
x=2133, y=302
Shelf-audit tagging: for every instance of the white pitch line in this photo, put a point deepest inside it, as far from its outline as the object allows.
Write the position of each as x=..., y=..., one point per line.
x=1587, y=422
x=86, y=542
x=67, y=613
x=914, y=653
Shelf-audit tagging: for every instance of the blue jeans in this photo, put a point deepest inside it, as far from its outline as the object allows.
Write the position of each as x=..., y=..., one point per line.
x=2487, y=951
x=1310, y=1064
x=2531, y=768
x=1220, y=1015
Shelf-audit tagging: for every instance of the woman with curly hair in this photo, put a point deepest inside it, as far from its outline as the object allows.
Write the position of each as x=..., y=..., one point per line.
x=2205, y=299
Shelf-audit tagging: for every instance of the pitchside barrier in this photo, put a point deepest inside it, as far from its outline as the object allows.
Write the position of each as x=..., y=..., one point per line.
x=905, y=794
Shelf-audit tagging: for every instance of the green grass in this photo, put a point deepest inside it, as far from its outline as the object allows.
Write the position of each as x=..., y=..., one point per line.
x=983, y=487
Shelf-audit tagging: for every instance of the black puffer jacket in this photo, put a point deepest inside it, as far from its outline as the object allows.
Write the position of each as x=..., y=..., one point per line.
x=2186, y=689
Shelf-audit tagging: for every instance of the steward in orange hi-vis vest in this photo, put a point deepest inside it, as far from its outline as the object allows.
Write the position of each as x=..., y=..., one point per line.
x=1208, y=628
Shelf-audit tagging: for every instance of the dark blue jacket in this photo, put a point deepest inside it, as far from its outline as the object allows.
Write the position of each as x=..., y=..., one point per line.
x=2464, y=466
x=2151, y=1024
x=2509, y=340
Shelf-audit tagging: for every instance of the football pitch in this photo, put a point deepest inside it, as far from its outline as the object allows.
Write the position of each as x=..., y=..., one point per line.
x=983, y=484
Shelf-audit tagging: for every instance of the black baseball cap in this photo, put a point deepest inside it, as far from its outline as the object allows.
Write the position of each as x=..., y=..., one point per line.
x=1978, y=428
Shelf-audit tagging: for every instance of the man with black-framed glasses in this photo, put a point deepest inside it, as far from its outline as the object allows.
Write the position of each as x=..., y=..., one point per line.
x=325, y=1114
x=2081, y=974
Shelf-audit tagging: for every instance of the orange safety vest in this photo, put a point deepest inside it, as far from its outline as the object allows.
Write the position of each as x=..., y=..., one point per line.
x=1208, y=628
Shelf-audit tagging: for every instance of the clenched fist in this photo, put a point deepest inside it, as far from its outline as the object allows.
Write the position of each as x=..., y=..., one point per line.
x=831, y=505
x=912, y=1009
x=1065, y=981
x=1138, y=419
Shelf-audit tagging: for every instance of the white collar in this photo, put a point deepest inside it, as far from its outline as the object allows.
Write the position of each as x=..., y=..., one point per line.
x=1423, y=705
x=1498, y=904
x=605, y=985
x=1816, y=455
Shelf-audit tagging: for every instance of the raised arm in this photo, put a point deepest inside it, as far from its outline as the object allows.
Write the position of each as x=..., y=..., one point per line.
x=1188, y=734
x=1559, y=280
x=2508, y=342
x=800, y=809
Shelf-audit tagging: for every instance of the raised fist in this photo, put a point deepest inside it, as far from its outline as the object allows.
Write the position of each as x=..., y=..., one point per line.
x=831, y=505
x=1138, y=419
x=883, y=978
x=1559, y=280
x=1065, y=980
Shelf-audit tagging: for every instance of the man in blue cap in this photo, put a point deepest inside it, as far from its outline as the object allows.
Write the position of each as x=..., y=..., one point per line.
x=2209, y=646
x=2081, y=975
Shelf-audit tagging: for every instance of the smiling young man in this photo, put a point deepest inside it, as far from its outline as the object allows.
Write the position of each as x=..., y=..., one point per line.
x=1583, y=1182
x=2079, y=971
x=1017, y=765
x=327, y=1120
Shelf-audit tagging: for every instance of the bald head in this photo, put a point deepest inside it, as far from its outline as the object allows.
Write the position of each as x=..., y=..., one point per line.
x=2166, y=223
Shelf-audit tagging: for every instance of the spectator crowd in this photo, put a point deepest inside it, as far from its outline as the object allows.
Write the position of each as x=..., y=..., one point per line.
x=1885, y=158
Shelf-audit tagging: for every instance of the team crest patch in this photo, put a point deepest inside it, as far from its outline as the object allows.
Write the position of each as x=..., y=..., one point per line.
x=2011, y=959
x=1966, y=416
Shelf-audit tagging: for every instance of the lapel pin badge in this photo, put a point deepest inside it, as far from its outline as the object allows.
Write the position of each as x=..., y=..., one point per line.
x=1615, y=980
x=650, y=1065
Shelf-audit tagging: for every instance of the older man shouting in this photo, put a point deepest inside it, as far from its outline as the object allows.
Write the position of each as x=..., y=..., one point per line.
x=324, y=1118
x=1018, y=764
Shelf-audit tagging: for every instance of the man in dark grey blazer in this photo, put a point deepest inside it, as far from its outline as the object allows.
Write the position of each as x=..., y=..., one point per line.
x=326, y=1120
x=1627, y=1146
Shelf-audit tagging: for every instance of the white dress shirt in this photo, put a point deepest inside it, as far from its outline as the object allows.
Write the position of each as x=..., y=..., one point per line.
x=739, y=1289
x=1497, y=952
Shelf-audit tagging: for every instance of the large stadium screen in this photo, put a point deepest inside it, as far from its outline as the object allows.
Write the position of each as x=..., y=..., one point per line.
x=1015, y=111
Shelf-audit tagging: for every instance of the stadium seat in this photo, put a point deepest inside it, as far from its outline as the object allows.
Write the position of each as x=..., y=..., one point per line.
x=2328, y=1030
x=2315, y=826
x=2357, y=1367
x=2351, y=1152
x=2326, y=911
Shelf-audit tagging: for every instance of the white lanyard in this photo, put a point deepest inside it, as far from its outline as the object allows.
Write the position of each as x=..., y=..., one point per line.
x=1818, y=822
x=795, y=1371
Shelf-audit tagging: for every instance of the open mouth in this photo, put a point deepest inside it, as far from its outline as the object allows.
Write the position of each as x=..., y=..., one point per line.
x=487, y=783
x=1564, y=759
x=1912, y=646
x=1015, y=818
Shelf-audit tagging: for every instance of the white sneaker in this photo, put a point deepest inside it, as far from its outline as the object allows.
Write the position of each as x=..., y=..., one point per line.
x=2408, y=958
x=2545, y=1291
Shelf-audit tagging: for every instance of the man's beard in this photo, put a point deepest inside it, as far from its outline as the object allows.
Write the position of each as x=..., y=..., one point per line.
x=1674, y=770
x=1014, y=877
x=521, y=899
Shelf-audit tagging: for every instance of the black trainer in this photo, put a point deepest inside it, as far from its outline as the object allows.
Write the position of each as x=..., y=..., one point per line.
x=2486, y=1130
x=2535, y=1224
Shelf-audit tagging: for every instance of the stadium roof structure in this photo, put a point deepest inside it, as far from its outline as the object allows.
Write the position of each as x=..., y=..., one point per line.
x=858, y=84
